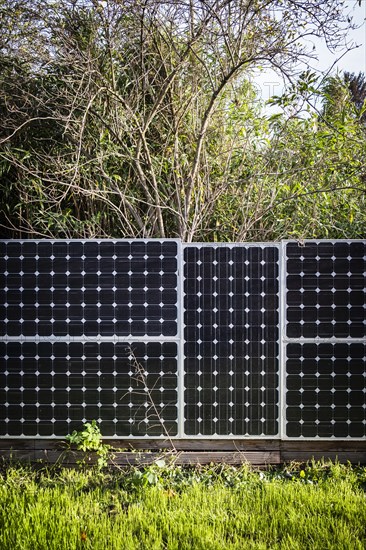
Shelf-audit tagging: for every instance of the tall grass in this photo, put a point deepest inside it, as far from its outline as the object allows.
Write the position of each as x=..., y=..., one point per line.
x=318, y=507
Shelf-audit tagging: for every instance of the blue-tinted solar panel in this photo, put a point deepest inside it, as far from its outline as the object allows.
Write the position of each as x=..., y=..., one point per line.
x=231, y=340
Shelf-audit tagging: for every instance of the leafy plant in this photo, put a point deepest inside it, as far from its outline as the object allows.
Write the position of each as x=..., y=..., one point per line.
x=89, y=439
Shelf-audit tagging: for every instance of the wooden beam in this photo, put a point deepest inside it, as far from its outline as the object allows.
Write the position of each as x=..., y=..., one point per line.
x=191, y=451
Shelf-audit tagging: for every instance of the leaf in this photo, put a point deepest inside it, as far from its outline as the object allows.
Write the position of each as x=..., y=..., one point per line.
x=151, y=478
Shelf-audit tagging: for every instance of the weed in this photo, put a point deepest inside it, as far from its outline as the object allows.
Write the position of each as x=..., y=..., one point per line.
x=89, y=440
x=152, y=410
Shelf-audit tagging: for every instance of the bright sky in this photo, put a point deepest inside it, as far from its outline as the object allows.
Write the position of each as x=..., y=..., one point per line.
x=354, y=61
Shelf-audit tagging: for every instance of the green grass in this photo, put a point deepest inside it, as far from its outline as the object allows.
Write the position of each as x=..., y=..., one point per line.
x=160, y=507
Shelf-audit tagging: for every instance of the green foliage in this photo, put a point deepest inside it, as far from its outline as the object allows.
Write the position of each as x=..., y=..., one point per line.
x=317, y=161
x=140, y=120
x=309, y=507
x=153, y=475
x=89, y=440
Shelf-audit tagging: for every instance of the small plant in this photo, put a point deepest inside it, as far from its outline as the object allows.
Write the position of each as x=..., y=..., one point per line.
x=89, y=439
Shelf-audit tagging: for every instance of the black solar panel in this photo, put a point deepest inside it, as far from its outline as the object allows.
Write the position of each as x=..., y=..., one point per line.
x=50, y=388
x=231, y=340
x=89, y=288
x=326, y=289
x=325, y=307
x=326, y=390
x=70, y=312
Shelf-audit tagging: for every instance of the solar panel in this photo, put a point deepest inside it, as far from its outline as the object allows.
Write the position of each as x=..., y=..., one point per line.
x=70, y=316
x=326, y=290
x=325, y=350
x=231, y=340
x=49, y=388
x=326, y=392
x=89, y=288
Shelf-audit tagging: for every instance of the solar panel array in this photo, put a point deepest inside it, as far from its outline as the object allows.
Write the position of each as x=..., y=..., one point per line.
x=326, y=345
x=231, y=340
x=152, y=338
